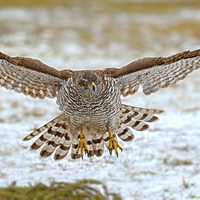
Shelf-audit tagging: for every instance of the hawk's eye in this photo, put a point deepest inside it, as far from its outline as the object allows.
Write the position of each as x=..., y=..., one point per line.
x=96, y=81
x=86, y=82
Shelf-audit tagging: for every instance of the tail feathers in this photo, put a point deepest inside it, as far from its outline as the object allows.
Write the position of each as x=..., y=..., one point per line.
x=45, y=127
x=106, y=139
x=64, y=148
x=90, y=148
x=74, y=154
x=140, y=110
x=125, y=134
x=135, y=124
x=54, y=137
x=54, y=140
x=138, y=116
x=135, y=118
x=48, y=136
x=98, y=145
x=95, y=147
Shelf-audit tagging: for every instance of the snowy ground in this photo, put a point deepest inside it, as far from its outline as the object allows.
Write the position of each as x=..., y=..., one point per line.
x=161, y=163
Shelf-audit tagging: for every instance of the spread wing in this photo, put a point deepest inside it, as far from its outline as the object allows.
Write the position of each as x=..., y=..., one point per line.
x=155, y=73
x=30, y=76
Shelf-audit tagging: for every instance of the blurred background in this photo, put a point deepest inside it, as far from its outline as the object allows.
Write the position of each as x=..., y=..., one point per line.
x=161, y=163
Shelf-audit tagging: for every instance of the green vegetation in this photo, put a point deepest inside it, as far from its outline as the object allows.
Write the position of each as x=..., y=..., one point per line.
x=85, y=189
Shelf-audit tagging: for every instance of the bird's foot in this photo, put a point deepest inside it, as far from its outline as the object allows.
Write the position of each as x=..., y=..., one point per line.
x=113, y=144
x=82, y=145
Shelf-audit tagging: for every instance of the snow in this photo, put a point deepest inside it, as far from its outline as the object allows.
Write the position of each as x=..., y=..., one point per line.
x=161, y=163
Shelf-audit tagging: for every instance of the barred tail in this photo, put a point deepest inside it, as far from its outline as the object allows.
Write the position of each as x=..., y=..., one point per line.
x=135, y=118
x=95, y=146
x=55, y=136
x=45, y=127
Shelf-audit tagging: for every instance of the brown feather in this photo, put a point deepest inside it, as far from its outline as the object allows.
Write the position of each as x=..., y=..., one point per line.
x=36, y=65
x=146, y=63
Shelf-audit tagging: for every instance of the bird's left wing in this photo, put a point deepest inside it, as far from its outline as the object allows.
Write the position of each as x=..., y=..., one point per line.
x=30, y=76
x=155, y=73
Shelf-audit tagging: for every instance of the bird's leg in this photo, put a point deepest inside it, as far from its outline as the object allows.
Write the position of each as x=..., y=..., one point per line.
x=113, y=144
x=82, y=144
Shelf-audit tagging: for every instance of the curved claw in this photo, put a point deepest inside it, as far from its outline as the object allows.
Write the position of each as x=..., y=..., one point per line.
x=113, y=144
x=86, y=152
x=110, y=150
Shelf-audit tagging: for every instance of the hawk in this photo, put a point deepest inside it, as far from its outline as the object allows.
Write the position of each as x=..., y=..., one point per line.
x=90, y=100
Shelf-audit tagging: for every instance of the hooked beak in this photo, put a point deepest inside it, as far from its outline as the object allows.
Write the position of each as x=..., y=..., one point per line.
x=93, y=86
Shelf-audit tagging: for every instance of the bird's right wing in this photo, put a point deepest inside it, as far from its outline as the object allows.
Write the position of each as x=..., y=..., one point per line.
x=30, y=76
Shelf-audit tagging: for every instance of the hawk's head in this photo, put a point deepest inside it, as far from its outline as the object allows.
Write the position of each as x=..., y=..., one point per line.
x=89, y=83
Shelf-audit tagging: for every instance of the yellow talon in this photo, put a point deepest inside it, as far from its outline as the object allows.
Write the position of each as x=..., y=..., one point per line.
x=113, y=144
x=82, y=144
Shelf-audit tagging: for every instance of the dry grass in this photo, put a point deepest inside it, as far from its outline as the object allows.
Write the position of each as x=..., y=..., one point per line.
x=108, y=5
x=85, y=189
x=177, y=162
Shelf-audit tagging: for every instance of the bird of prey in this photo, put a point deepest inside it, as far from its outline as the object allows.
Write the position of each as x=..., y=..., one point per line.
x=93, y=115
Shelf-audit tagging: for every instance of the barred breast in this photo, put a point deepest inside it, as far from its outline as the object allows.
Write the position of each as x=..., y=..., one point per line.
x=95, y=114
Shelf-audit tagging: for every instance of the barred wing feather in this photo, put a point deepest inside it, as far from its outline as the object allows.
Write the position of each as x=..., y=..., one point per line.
x=155, y=73
x=30, y=76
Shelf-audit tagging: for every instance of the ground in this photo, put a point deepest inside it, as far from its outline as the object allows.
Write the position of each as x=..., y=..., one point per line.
x=162, y=162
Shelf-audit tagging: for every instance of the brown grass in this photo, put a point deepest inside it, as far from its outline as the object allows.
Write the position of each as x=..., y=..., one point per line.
x=107, y=5
x=81, y=190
